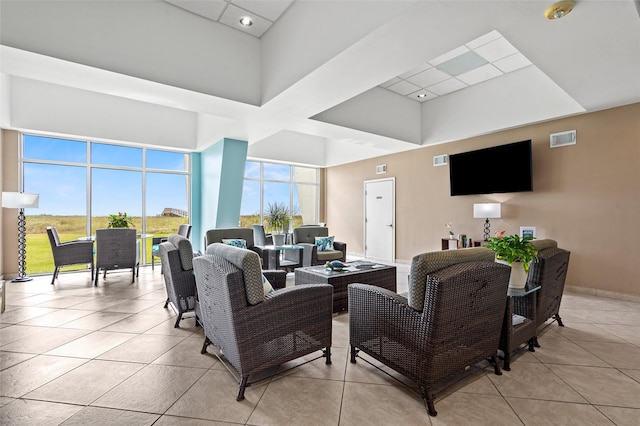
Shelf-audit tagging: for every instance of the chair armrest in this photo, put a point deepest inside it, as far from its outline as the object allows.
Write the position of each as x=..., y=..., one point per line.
x=292, y=309
x=74, y=247
x=338, y=245
x=309, y=253
x=377, y=312
x=278, y=279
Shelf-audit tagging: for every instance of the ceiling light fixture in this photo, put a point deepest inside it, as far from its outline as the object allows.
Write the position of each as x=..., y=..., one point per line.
x=422, y=95
x=246, y=21
x=559, y=9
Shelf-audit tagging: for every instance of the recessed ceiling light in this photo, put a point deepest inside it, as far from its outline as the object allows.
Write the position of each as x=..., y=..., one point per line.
x=559, y=9
x=246, y=21
x=422, y=95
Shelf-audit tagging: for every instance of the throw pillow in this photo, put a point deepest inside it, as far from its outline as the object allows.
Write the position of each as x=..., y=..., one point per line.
x=268, y=288
x=235, y=242
x=324, y=243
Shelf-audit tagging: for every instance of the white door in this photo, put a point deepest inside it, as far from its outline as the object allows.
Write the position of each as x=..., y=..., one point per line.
x=379, y=219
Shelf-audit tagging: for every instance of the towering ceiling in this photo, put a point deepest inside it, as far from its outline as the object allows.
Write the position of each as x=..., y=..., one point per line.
x=326, y=82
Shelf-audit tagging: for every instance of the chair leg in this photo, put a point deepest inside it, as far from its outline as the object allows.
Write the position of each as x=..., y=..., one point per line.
x=535, y=342
x=95, y=283
x=327, y=354
x=243, y=385
x=532, y=343
x=152, y=262
x=207, y=342
x=354, y=352
x=177, y=324
x=557, y=316
x=55, y=274
x=427, y=396
x=496, y=366
x=166, y=303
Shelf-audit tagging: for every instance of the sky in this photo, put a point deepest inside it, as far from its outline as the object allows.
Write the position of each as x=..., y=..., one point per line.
x=117, y=179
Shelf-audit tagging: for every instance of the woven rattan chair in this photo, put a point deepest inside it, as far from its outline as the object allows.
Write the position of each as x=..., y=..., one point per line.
x=176, y=255
x=451, y=320
x=116, y=248
x=305, y=236
x=256, y=332
x=260, y=238
x=183, y=230
x=550, y=273
x=69, y=253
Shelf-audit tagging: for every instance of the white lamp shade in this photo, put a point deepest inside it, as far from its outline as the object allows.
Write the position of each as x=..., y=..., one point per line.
x=20, y=200
x=487, y=210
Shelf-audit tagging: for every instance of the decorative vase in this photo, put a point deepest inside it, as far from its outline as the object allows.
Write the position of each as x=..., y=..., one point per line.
x=278, y=239
x=518, y=278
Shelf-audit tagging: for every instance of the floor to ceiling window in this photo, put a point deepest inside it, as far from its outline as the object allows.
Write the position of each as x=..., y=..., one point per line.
x=81, y=182
x=295, y=187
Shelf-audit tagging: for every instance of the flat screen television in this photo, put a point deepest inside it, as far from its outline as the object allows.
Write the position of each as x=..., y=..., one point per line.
x=503, y=168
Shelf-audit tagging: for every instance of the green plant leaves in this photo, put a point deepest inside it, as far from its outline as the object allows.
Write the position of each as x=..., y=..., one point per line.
x=513, y=249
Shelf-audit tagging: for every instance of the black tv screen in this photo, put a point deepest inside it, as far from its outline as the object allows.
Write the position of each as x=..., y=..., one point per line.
x=503, y=168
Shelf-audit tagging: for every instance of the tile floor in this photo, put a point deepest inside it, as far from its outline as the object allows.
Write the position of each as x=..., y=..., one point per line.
x=74, y=354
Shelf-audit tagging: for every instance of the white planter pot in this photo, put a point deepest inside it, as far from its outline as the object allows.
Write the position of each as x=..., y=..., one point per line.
x=278, y=239
x=518, y=277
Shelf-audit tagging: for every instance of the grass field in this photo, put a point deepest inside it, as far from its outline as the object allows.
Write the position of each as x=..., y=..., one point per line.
x=39, y=255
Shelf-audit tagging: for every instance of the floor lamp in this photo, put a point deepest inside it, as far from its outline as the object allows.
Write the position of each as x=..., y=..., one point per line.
x=487, y=211
x=21, y=201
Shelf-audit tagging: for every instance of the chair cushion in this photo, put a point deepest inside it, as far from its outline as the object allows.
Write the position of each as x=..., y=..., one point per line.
x=236, y=242
x=329, y=255
x=184, y=249
x=324, y=243
x=544, y=244
x=427, y=263
x=249, y=262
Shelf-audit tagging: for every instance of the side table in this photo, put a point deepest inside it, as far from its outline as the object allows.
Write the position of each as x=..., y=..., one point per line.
x=274, y=260
x=521, y=310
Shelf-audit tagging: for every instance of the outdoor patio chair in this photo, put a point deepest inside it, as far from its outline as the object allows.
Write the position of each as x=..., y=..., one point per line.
x=254, y=331
x=183, y=229
x=451, y=320
x=69, y=253
x=177, y=261
x=117, y=248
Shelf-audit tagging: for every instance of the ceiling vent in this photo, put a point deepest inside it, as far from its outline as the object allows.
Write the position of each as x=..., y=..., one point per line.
x=381, y=169
x=440, y=160
x=562, y=139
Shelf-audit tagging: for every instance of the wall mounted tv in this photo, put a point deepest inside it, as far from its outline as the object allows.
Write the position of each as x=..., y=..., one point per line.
x=503, y=168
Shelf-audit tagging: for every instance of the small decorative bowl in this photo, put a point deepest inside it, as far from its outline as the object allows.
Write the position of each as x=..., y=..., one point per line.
x=335, y=265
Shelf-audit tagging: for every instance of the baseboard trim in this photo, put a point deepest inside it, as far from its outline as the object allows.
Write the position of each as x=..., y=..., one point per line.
x=604, y=293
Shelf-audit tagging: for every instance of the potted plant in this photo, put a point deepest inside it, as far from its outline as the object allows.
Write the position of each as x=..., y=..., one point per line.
x=120, y=220
x=278, y=218
x=516, y=252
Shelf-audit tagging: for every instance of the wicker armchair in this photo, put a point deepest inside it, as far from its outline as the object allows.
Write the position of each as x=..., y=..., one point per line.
x=184, y=230
x=451, y=320
x=254, y=331
x=550, y=273
x=176, y=255
x=117, y=248
x=246, y=234
x=69, y=253
x=305, y=236
x=260, y=238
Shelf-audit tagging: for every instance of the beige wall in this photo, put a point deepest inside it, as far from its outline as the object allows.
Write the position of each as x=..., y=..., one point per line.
x=586, y=196
x=9, y=217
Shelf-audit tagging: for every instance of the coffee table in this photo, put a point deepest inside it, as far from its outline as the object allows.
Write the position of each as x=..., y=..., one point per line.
x=357, y=272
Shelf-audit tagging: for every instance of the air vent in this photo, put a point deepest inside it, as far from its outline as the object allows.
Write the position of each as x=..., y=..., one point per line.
x=381, y=169
x=440, y=160
x=562, y=139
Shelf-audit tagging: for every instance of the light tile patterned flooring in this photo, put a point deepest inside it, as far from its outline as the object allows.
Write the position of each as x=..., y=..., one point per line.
x=73, y=354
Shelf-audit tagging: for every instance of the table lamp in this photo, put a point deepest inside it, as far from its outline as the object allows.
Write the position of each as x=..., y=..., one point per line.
x=487, y=211
x=21, y=201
